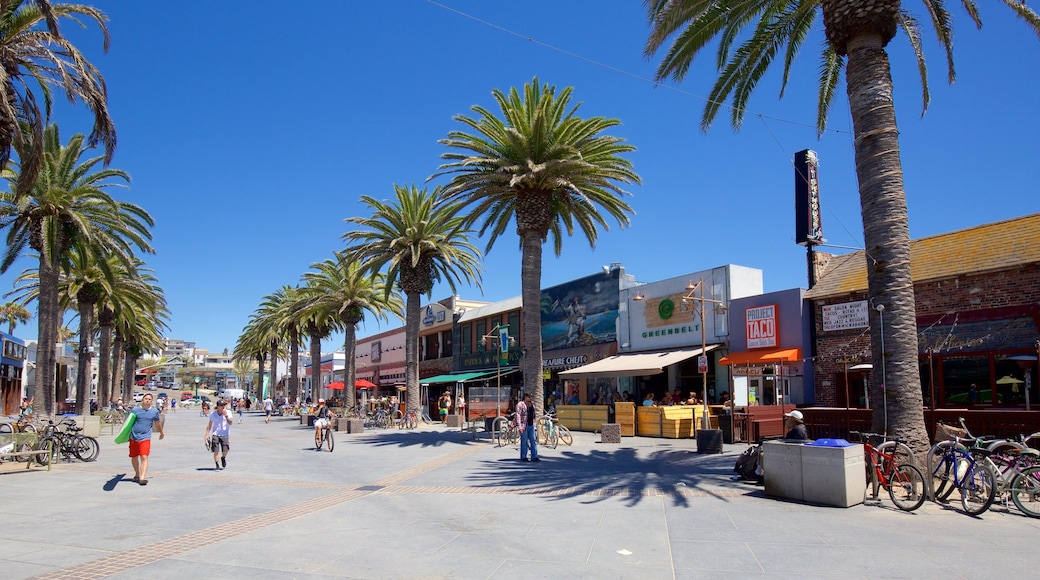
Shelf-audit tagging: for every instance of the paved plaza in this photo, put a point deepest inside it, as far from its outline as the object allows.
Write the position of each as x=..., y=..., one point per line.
x=432, y=503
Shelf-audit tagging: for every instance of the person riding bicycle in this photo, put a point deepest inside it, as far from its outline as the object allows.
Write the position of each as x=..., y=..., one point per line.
x=321, y=417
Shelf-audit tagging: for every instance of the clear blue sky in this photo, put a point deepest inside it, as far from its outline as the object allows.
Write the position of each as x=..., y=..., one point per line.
x=252, y=128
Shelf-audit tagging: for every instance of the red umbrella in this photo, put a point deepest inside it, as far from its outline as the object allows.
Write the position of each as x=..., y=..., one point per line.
x=336, y=386
x=363, y=384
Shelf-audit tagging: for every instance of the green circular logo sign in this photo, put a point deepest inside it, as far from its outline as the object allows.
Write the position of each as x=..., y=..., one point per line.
x=665, y=309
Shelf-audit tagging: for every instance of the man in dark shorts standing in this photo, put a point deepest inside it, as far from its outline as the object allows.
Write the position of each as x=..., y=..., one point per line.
x=141, y=437
x=218, y=434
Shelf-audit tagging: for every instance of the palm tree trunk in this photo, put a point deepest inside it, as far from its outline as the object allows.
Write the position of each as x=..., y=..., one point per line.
x=274, y=365
x=48, y=332
x=105, y=356
x=886, y=234
x=315, y=363
x=129, y=371
x=86, y=339
x=350, y=362
x=260, y=359
x=411, y=350
x=115, y=389
x=531, y=296
x=294, y=365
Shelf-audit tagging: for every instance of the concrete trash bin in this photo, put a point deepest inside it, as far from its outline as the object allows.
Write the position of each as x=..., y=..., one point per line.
x=709, y=441
x=816, y=474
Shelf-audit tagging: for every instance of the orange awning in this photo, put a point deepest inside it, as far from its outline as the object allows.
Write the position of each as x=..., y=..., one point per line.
x=762, y=356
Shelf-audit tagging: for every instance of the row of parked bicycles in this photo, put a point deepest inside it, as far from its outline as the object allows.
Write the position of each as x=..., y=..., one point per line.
x=982, y=470
x=54, y=441
x=506, y=430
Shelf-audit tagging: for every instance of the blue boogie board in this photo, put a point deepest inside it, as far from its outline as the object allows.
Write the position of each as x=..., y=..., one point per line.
x=124, y=433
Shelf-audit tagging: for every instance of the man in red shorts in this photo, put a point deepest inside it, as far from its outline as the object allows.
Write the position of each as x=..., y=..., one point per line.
x=141, y=437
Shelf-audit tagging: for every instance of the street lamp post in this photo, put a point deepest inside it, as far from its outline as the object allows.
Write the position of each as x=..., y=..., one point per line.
x=702, y=360
x=501, y=334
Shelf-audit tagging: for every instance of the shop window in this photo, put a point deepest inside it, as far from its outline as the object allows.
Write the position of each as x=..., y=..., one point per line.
x=959, y=373
x=467, y=338
x=480, y=332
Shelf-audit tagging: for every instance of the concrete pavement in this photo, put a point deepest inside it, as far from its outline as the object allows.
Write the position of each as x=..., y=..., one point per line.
x=433, y=503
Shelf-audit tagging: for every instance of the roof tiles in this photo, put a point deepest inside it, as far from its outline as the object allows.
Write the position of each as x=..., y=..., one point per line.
x=989, y=247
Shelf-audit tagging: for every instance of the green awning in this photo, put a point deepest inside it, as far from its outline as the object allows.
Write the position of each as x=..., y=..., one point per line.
x=458, y=378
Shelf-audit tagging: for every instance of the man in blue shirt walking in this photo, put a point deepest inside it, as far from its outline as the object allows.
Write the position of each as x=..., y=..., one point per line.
x=141, y=437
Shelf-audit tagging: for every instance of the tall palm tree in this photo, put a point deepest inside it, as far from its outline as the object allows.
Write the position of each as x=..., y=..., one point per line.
x=254, y=343
x=123, y=290
x=243, y=369
x=340, y=285
x=280, y=311
x=857, y=33
x=546, y=169
x=13, y=314
x=136, y=290
x=67, y=207
x=33, y=51
x=420, y=239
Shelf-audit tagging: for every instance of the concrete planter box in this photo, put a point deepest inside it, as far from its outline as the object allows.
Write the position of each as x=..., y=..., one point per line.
x=351, y=425
x=610, y=433
x=455, y=421
x=832, y=476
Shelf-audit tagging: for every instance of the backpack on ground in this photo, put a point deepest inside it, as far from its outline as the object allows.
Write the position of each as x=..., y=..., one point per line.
x=748, y=465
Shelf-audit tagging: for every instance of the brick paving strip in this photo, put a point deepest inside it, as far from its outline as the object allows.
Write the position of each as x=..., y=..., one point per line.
x=169, y=547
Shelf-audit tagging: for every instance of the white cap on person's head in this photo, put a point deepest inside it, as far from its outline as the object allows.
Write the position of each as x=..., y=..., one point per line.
x=797, y=415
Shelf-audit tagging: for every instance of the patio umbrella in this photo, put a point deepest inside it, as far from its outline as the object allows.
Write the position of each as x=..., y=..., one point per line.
x=1009, y=380
x=336, y=386
x=363, y=384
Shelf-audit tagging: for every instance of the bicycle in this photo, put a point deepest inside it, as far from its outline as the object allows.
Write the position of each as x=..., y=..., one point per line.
x=1014, y=484
x=21, y=425
x=904, y=481
x=505, y=430
x=953, y=467
x=68, y=442
x=324, y=436
x=550, y=432
x=410, y=421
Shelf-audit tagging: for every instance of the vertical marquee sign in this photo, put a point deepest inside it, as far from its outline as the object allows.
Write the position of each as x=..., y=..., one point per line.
x=762, y=327
x=808, y=223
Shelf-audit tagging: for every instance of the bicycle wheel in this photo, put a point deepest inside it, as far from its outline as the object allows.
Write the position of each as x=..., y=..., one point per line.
x=978, y=488
x=941, y=459
x=541, y=435
x=1025, y=491
x=906, y=487
x=47, y=451
x=565, y=435
x=6, y=428
x=86, y=448
x=552, y=437
x=330, y=441
x=512, y=435
x=901, y=451
x=318, y=439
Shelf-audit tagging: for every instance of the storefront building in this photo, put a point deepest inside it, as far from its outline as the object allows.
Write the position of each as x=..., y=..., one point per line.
x=978, y=318
x=770, y=341
x=664, y=330
x=12, y=366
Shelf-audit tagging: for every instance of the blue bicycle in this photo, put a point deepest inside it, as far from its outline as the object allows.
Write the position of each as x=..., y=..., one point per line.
x=953, y=467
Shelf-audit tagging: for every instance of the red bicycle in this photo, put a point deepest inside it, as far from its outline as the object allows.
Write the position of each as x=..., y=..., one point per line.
x=904, y=482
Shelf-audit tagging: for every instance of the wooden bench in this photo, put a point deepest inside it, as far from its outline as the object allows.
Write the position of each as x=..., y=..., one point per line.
x=21, y=440
x=756, y=422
